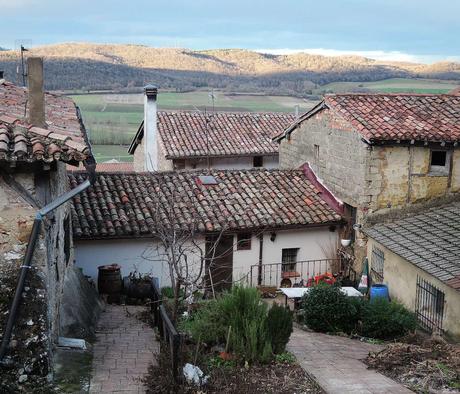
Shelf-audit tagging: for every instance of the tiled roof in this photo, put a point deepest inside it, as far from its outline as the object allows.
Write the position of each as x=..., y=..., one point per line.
x=130, y=205
x=62, y=118
x=195, y=134
x=429, y=240
x=107, y=167
x=395, y=117
x=20, y=142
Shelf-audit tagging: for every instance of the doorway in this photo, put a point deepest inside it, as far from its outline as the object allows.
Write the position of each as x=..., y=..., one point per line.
x=219, y=263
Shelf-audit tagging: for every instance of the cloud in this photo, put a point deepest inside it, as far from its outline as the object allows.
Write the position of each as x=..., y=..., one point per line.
x=377, y=55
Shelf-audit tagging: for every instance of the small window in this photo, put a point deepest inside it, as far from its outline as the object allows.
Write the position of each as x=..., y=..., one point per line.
x=258, y=161
x=179, y=164
x=289, y=259
x=316, y=147
x=377, y=262
x=243, y=241
x=439, y=162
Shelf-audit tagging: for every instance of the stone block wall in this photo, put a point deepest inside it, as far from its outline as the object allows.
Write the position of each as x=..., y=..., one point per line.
x=334, y=151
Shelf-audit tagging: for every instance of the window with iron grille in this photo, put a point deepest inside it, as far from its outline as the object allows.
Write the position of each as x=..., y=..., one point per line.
x=429, y=305
x=377, y=262
x=289, y=259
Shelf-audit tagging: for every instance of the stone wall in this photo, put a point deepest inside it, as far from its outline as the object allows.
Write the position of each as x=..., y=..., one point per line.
x=39, y=319
x=334, y=151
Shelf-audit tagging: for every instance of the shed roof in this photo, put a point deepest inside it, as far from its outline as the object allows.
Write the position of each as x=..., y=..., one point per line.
x=429, y=240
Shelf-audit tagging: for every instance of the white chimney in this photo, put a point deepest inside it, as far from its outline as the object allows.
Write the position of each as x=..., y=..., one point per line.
x=150, y=128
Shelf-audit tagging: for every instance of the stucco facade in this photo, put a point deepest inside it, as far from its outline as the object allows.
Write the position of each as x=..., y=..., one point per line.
x=144, y=255
x=401, y=278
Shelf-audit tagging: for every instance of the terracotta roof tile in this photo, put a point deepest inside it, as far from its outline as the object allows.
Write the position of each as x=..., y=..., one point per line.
x=192, y=134
x=64, y=135
x=18, y=142
x=129, y=204
x=395, y=117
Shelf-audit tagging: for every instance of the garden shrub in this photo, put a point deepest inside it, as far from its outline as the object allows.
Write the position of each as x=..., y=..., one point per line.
x=386, y=320
x=208, y=323
x=252, y=338
x=327, y=309
x=279, y=324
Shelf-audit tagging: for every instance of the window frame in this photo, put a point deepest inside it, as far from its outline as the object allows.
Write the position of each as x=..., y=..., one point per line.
x=437, y=170
x=243, y=243
x=257, y=158
x=378, y=262
x=287, y=266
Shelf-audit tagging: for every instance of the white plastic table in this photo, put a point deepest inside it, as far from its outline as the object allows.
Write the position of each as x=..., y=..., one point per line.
x=299, y=292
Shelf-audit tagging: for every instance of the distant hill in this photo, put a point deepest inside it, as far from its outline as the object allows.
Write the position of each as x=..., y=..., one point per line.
x=95, y=66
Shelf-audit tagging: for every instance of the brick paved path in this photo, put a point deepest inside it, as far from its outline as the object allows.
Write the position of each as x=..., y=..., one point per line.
x=335, y=364
x=123, y=351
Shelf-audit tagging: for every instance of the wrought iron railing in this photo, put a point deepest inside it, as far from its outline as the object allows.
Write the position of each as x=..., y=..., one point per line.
x=291, y=274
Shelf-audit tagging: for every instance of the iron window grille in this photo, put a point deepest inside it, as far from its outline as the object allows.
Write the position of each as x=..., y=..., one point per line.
x=429, y=305
x=377, y=262
x=289, y=259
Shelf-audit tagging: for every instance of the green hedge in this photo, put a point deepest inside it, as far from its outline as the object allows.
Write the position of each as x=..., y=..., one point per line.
x=327, y=309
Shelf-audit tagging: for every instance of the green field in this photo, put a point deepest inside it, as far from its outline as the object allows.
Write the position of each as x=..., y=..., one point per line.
x=394, y=85
x=108, y=152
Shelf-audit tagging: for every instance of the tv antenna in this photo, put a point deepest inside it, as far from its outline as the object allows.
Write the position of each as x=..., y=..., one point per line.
x=21, y=46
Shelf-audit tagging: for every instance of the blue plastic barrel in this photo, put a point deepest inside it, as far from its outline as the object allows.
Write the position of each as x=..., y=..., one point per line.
x=379, y=291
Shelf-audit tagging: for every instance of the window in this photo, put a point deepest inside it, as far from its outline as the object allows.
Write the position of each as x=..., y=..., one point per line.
x=429, y=305
x=316, y=148
x=243, y=241
x=439, y=162
x=289, y=259
x=179, y=164
x=377, y=262
x=258, y=161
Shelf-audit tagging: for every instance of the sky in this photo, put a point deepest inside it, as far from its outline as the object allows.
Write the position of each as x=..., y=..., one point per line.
x=408, y=30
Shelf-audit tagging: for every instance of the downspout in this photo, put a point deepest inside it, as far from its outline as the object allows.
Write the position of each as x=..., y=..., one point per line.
x=261, y=248
x=28, y=260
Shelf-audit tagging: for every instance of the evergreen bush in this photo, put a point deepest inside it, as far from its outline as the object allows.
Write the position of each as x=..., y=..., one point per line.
x=382, y=319
x=327, y=309
x=279, y=324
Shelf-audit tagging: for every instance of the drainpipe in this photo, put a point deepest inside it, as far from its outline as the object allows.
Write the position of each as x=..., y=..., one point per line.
x=28, y=260
x=261, y=248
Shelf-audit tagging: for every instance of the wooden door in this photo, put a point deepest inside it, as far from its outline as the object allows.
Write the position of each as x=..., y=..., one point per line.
x=219, y=263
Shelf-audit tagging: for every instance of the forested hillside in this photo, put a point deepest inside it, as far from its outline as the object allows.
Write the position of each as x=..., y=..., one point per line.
x=95, y=66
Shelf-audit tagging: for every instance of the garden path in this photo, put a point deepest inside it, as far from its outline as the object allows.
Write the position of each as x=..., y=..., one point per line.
x=123, y=351
x=335, y=363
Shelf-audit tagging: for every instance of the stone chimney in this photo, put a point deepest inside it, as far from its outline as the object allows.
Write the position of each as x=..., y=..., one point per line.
x=150, y=128
x=36, y=93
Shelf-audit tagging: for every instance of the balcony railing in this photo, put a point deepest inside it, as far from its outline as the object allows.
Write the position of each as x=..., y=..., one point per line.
x=299, y=273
